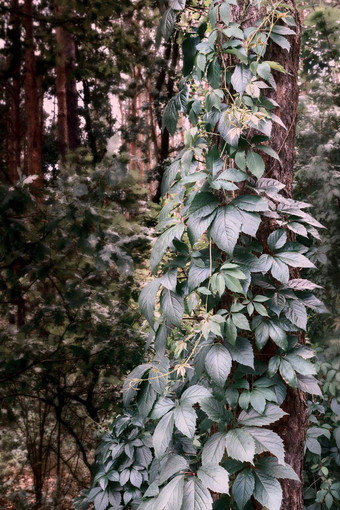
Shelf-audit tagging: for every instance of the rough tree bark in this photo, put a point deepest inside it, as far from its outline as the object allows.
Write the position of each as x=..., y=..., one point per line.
x=66, y=89
x=33, y=150
x=291, y=428
x=14, y=89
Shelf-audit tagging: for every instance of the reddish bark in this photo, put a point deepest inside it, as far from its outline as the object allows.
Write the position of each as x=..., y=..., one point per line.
x=33, y=149
x=66, y=89
x=14, y=89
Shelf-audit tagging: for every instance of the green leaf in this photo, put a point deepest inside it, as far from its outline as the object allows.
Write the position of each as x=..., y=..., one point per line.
x=171, y=465
x=296, y=312
x=301, y=284
x=242, y=352
x=255, y=164
x=133, y=381
x=271, y=414
x=240, y=445
x=194, y=394
x=101, y=501
x=170, y=116
x=213, y=160
x=162, y=406
x=163, y=242
x=294, y=259
x=197, y=275
x=309, y=384
x=226, y=229
x=270, y=466
x=279, y=270
x=280, y=41
x=240, y=77
x=269, y=151
x=171, y=496
x=250, y=222
x=168, y=23
x=225, y=13
x=241, y=321
x=277, y=239
x=214, y=477
x=196, y=496
x=146, y=397
x=263, y=70
x=268, y=491
x=301, y=365
x=169, y=280
x=197, y=226
x=203, y=204
x=240, y=160
x=185, y=419
x=158, y=376
x=213, y=449
x=243, y=488
x=169, y=176
x=267, y=440
x=250, y=203
x=214, y=74
x=147, y=300
x=163, y=434
x=258, y=400
x=287, y=373
x=280, y=29
x=213, y=409
x=172, y=306
x=178, y=5
x=218, y=364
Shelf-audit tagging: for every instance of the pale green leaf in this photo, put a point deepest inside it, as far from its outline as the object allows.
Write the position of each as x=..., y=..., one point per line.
x=214, y=477
x=240, y=445
x=218, y=363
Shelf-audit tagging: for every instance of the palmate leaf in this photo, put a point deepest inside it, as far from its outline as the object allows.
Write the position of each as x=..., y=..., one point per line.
x=271, y=414
x=196, y=496
x=163, y=433
x=267, y=440
x=242, y=352
x=171, y=495
x=185, y=419
x=171, y=465
x=172, y=306
x=147, y=300
x=240, y=78
x=255, y=164
x=243, y=488
x=133, y=381
x=163, y=242
x=214, y=477
x=213, y=449
x=240, y=445
x=267, y=491
x=270, y=466
x=226, y=228
x=195, y=394
x=218, y=363
x=213, y=409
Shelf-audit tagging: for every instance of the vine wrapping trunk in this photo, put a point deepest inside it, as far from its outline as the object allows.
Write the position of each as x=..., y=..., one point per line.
x=216, y=413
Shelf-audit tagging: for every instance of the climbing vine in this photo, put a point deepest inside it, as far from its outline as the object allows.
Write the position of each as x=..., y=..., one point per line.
x=198, y=417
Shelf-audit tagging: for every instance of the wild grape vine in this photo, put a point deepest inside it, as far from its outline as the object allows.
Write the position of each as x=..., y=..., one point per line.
x=197, y=412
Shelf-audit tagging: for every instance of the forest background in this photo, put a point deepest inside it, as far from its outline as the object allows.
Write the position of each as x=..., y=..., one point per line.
x=83, y=88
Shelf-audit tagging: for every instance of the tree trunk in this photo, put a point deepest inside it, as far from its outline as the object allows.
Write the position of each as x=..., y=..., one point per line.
x=292, y=428
x=66, y=90
x=33, y=152
x=14, y=130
